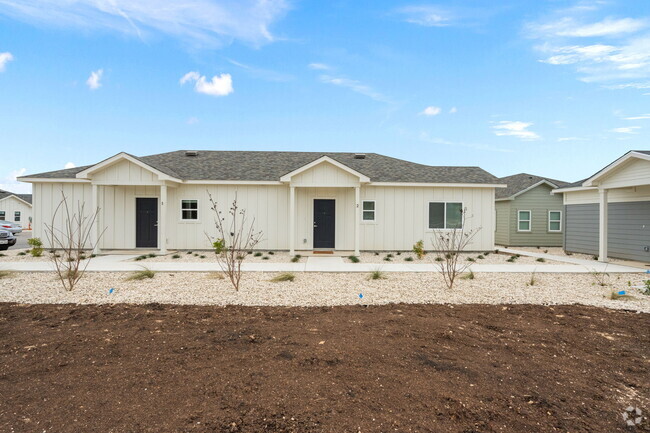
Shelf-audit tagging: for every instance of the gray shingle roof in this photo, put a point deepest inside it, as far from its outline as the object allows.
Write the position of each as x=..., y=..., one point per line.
x=25, y=197
x=271, y=166
x=519, y=182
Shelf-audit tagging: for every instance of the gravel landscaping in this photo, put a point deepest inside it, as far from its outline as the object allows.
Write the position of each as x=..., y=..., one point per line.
x=317, y=289
x=484, y=258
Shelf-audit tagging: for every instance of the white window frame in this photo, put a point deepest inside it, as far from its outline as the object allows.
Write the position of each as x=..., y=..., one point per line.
x=374, y=212
x=429, y=229
x=198, y=216
x=18, y=214
x=530, y=221
x=560, y=221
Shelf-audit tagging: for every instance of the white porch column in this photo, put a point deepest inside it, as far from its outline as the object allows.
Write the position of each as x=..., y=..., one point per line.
x=357, y=219
x=162, y=220
x=96, y=230
x=292, y=220
x=602, y=229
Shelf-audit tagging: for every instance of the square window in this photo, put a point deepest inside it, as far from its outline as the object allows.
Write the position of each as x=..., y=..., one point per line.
x=368, y=213
x=189, y=210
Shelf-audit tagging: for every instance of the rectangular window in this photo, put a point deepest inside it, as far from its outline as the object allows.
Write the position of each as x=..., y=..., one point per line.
x=523, y=221
x=555, y=221
x=2, y=215
x=17, y=216
x=445, y=215
x=190, y=210
x=368, y=210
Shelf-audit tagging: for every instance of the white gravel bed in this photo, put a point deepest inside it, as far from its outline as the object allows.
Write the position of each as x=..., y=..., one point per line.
x=12, y=255
x=556, y=251
x=489, y=258
x=195, y=257
x=318, y=289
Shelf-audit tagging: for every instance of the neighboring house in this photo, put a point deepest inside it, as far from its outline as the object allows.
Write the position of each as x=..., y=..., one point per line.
x=608, y=214
x=527, y=214
x=300, y=200
x=16, y=208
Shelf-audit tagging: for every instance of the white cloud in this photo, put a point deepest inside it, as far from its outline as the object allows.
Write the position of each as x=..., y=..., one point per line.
x=641, y=117
x=319, y=66
x=571, y=139
x=626, y=130
x=93, y=81
x=220, y=85
x=355, y=86
x=9, y=182
x=570, y=27
x=453, y=110
x=427, y=15
x=431, y=111
x=264, y=74
x=70, y=165
x=202, y=22
x=515, y=129
x=4, y=59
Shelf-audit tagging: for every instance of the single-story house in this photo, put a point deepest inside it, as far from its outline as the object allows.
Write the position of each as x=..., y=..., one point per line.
x=16, y=208
x=608, y=214
x=300, y=200
x=527, y=214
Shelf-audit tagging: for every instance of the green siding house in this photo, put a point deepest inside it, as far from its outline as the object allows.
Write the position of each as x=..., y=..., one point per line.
x=527, y=214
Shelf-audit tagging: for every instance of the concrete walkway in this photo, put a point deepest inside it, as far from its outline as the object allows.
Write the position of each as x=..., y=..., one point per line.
x=124, y=263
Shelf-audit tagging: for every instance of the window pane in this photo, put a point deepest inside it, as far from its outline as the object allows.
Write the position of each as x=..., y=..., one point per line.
x=454, y=215
x=2, y=215
x=368, y=215
x=436, y=215
x=524, y=215
x=368, y=205
x=190, y=204
x=190, y=215
x=524, y=225
x=17, y=216
x=554, y=216
x=554, y=225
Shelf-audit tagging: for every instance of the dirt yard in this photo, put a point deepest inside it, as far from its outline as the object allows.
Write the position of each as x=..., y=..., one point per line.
x=406, y=368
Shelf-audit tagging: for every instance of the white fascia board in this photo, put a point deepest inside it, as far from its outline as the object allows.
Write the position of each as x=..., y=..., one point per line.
x=52, y=180
x=232, y=182
x=623, y=159
x=362, y=177
x=572, y=189
x=439, y=185
x=541, y=182
x=124, y=156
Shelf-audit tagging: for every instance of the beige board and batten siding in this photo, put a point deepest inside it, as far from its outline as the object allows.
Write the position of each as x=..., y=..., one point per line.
x=324, y=174
x=402, y=215
x=539, y=201
x=633, y=172
x=10, y=205
x=125, y=173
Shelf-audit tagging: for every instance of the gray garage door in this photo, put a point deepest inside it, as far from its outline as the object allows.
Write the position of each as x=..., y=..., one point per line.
x=629, y=230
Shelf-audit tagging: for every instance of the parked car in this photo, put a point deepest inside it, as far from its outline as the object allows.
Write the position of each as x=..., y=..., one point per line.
x=11, y=227
x=7, y=239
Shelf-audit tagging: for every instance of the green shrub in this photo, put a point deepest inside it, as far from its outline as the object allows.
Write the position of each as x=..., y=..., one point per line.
x=545, y=251
x=137, y=259
x=354, y=259
x=418, y=249
x=202, y=256
x=22, y=253
x=2, y=254
x=37, y=247
x=468, y=276
x=285, y=276
x=399, y=253
x=541, y=259
x=265, y=258
x=646, y=289
x=196, y=254
x=176, y=256
x=480, y=256
x=595, y=258
x=92, y=256
x=470, y=259
x=189, y=252
x=388, y=259
x=296, y=258
x=377, y=275
x=511, y=259
x=439, y=259
x=271, y=253
x=408, y=259
x=390, y=256
x=219, y=245
x=257, y=254
x=376, y=253
x=141, y=275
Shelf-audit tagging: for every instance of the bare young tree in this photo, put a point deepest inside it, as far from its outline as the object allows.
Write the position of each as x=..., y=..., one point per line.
x=449, y=244
x=235, y=237
x=72, y=243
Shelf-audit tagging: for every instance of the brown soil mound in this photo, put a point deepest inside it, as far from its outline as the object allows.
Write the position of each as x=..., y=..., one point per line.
x=405, y=368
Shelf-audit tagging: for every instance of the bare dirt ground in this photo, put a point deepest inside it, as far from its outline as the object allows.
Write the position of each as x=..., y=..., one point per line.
x=406, y=368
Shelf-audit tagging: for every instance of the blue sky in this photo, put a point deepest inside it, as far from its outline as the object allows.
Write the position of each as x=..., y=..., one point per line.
x=555, y=88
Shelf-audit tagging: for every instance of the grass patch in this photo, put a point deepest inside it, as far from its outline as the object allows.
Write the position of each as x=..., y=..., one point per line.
x=469, y=276
x=377, y=275
x=216, y=275
x=141, y=275
x=408, y=259
x=5, y=274
x=532, y=280
x=354, y=259
x=285, y=276
x=619, y=295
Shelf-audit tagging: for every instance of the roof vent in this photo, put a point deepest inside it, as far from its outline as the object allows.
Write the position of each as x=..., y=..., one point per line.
x=359, y=156
x=191, y=153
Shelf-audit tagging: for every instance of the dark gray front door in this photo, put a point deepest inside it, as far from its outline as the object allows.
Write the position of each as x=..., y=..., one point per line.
x=146, y=223
x=324, y=216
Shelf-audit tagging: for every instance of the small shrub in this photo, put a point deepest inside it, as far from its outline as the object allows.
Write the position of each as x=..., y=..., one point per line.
x=354, y=259
x=376, y=253
x=487, y=253
x=390, y=256
x=418, y=249
x=408, y=259
x=539, y=248
x=517, y=255
x=399, y=253
x=496, y=251
x=202, y=256
x=151, y=255
x=265, y=258
x=197, y=254
x=470, y=259
x=480, y=257
x=595, y=258
x=22, y=253
x=257, y=254
x=285, y=276
x=439, y=259
x=176, y=256
x=92, y=256
x=376, y=275
x=296, y=258
x=271, y=253
x=141, y=275
x=545, y=251
x=249, y=252
x=2, y=254
x=600, y=278
x=568, y=253
x=468, y=276
x=511, y=260
x=387, y=259
x=137, y=259
x=646, y=289
x=37, y=247
x=82, y=256
x=541, y=259
x=189, y=253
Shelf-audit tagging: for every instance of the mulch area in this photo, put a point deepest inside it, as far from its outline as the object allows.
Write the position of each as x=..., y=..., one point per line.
x=406, y=368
